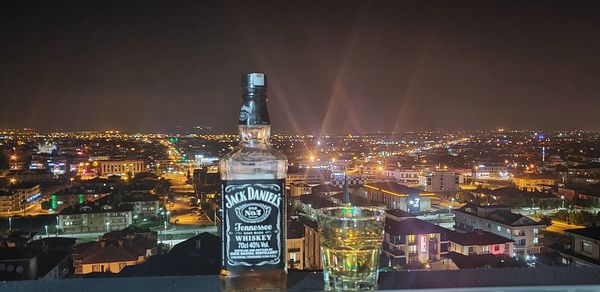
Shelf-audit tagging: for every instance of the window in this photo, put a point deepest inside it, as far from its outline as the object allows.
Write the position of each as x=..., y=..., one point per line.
x=536, y=231
x=508, y=231
x=586, y=247
x=410, y=238
x=412, y=249
x=536, y=240
x=471, y=250
x=496, y=247
x=499, y=228
x=432, y=236
x=486, y=249
x=96, y=268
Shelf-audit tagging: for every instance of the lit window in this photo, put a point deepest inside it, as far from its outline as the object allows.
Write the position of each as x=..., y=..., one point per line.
x=499, y=228
x=508, y=231
x=410, y=238
x=536, y=231
x=412, y=248
x=486, y=249
x=536, y=240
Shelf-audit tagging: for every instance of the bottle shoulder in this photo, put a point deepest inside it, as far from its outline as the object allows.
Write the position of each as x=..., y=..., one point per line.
x=264, y=162
x=256, y=154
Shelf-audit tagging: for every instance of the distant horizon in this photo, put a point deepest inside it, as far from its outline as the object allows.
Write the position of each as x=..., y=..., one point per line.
x=499, y=130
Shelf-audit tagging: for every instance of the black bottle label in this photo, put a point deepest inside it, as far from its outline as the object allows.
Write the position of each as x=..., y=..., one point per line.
x=253, y=224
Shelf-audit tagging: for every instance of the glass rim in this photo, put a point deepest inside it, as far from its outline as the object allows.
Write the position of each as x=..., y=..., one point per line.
x=381, y=213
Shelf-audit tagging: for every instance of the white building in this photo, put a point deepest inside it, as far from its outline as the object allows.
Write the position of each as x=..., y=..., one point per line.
x=499, y=220
x=407, y=176
x=482, y=171
x=439, y=181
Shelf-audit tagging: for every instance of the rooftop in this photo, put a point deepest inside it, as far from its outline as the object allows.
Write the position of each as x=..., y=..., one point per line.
x=410, y=226
x=399, y=213
x=393, y=188
x=590, y=232
x=476, y=238
x=502, y=215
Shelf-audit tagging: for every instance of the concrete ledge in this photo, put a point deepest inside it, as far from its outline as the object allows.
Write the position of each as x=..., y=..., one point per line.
x=518, y=279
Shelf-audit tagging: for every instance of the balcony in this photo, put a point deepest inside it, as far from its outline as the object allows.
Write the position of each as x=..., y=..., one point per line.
x=396, y=252
x=517, y=279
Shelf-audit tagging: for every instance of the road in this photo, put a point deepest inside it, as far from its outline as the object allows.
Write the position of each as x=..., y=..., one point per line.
x=182, y=213
x=559, y=226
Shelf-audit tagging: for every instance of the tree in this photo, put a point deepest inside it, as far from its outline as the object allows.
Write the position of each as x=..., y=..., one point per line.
x=46, y=205
x=4, y=160
x=545, y=220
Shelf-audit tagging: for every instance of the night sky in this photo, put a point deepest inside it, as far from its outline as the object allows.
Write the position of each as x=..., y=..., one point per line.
x=332, y=65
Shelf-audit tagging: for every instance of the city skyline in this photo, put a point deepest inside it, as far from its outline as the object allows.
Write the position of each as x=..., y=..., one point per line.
x=357, y=67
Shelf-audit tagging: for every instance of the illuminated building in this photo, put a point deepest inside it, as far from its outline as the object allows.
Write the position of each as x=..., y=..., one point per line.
x=396, y=196
x=412, y=243
x=499, y=220
x=438, y=181
x=144, y=205
x=114, y=251
x=308, y=176
x=407, y=176
x=482, y=171
x=299, y=189
x=18, y=197
x=479, y=242
x=532, y=183
x=80, y=195
x=98, y=216
x=16, y=165
x=120, y=167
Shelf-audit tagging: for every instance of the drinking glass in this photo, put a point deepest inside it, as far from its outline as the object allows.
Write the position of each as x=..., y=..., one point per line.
x=351, y=240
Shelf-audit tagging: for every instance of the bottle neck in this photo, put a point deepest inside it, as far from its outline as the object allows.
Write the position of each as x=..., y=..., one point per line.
x=255, y=135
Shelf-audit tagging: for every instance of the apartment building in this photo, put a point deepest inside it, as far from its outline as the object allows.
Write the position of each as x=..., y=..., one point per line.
x=479, y=242
x=98, y=216
x=412, y=243
x=439, y=181
x=584, y=248
x=114, y=251
x=499, y=220
x=17, y=198
x=406, y=176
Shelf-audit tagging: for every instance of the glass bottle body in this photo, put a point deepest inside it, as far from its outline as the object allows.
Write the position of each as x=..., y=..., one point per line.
x=257, y=164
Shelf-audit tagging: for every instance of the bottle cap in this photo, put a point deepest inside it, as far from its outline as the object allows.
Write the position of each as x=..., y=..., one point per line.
x=254, y=79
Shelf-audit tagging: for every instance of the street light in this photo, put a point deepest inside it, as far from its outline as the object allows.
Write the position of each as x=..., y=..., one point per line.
x=56, y=226
x=46, y=227
x=107, y=226
x=563, y=201
x=9, y=223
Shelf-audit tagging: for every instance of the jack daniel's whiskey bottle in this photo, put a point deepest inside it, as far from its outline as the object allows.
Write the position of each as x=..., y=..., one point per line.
x=253, y=206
